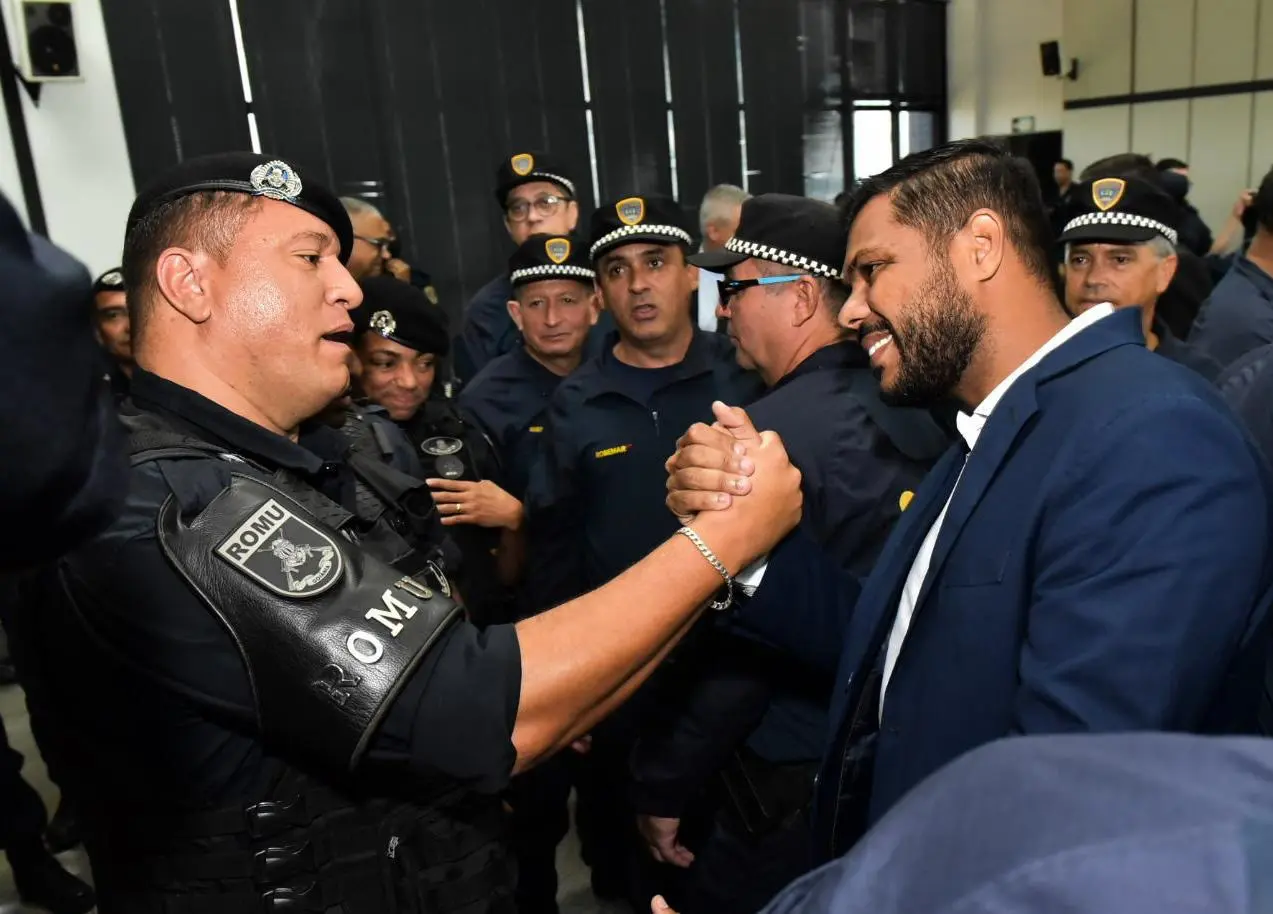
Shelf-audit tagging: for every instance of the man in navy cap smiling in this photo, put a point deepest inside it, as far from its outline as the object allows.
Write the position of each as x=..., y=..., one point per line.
x=765, y=712
x=256, y=683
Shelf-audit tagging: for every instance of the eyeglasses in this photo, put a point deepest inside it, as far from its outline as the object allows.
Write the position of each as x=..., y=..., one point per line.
x=545, y=206
x=380, y=244
x=728, y=288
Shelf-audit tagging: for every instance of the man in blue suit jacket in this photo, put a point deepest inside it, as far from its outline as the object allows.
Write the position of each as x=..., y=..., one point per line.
x=1095, y=557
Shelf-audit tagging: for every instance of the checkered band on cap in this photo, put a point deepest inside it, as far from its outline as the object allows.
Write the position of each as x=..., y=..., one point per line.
x=1121, y=219
x=671, y=231
x=553, y=271
x=557, y=179
x=765, y=252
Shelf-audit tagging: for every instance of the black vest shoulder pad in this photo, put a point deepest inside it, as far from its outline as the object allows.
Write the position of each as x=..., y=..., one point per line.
x=329, y=633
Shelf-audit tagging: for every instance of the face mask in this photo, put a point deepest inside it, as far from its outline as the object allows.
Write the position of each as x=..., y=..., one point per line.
x=1176, y=185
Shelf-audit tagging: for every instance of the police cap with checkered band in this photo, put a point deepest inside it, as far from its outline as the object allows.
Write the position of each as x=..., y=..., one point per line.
x=651, y=218
x=806, y=235
x=544, y=257
x=530, y=168
x=1119, y=210
x=245, y=173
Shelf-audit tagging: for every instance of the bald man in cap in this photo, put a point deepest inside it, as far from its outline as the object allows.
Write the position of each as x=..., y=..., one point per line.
x=261, y=690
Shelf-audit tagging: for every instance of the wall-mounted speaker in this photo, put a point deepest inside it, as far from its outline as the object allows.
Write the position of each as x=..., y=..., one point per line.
x=1050, y=54
x=46, y=39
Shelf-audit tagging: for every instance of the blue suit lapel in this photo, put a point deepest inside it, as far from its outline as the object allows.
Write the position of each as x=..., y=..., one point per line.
x=993, y=446
x=877, y=604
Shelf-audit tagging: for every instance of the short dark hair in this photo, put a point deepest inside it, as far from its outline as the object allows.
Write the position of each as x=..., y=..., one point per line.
x=1169, y=164
x=1066, y=162
x=936, y=191
x=1263, y=203
x=209, y=221
x=1123, y=165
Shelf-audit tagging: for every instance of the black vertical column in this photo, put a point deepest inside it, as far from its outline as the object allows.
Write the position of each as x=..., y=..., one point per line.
x=177, y=77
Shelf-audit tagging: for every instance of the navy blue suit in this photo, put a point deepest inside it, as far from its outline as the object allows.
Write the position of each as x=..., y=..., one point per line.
x=1104, y=565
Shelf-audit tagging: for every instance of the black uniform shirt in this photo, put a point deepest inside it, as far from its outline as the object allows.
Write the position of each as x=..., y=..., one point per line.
x=191, y=727
x=509, y=401
x=1183, y=353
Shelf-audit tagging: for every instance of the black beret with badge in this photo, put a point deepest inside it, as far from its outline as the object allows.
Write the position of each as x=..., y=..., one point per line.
x=641, y=218
x=110, y=281
x=797, y=232
x=544, y=257
x=529, y=168
x=398, y=311
x=1119, y=210
x=245, y=173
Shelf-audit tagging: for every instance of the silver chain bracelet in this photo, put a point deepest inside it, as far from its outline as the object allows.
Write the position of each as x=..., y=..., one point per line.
x=724, y=602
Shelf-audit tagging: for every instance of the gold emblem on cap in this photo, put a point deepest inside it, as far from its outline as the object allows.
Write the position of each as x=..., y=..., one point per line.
x=905, y=500
x=523, y=164
x=276, y=180
x=113, y=278
x=383, y=323
x=1107, y=192
x=631, y=211
x=557, y=249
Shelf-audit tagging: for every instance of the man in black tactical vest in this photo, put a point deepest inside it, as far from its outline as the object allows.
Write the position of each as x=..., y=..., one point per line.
x=260, y=689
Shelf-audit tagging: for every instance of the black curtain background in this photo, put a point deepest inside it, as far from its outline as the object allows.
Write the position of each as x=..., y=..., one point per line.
x=412, y=104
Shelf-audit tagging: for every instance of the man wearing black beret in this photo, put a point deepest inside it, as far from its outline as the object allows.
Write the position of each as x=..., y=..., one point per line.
x=1120, y=248
x=400, y=336
x=111, y=328
x=255, y=681
x=597, y=505
x=537, y=195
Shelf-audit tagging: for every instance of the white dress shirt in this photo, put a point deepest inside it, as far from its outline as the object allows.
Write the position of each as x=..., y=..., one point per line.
x=970, y=427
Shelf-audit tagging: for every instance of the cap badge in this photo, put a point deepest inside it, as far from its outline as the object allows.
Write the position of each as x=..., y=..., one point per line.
x=1107, y=192
x=523, y=164
x=113, y=278
x=557, y=249
x=383, y=323
x=277, y=181
x=631, y=211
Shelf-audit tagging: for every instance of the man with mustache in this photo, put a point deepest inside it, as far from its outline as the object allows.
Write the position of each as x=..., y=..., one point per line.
x=594, y=504
x=256, y=681
x=1094, y=557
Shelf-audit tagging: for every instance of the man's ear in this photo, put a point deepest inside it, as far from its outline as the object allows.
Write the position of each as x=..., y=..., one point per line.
x=808, y=300
x=979, y=248
x=178, y=275
x=594, y=307
x=694, y=276
x=1167, y=272
x=515, y=312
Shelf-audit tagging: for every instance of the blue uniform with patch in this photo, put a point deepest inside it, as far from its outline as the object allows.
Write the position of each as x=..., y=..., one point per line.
x=595, y=501
x=509, y=401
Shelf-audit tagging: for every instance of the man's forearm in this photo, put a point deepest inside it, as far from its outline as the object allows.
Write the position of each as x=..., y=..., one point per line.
x=583, y=659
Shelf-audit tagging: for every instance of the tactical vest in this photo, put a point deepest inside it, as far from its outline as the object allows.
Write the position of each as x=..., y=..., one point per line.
x=282, y=566
x=449, y=447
